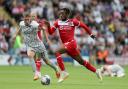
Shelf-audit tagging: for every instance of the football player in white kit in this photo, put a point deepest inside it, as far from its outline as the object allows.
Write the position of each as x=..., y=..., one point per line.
x=112, y=70
x=29, y=29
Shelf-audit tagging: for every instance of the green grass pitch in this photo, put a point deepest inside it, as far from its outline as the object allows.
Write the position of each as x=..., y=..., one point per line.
x=20, y=77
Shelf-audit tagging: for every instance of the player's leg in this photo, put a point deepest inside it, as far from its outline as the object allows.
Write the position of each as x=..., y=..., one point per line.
x=38, y=61
x=85, y=63
x=31, y=55
x=59, y=58
x=11, y=52
x=38, y=66
x=45, y=58
x=63, y=74
x=10, y=59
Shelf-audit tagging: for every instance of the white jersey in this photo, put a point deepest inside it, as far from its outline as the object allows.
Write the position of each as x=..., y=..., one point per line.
x=114, y=68
x=30, y=36
x=117, y=70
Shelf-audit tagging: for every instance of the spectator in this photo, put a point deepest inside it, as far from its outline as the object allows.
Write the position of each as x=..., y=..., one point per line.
x=102, y=55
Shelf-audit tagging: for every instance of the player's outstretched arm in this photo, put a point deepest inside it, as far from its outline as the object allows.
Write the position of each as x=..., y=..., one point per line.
x=86, y=28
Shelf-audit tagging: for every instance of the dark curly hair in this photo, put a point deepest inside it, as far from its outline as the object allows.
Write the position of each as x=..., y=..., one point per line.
x=67, y=10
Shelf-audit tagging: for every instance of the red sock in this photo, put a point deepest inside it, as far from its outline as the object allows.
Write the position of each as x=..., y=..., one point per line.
x=38, y=65
x=89, y=66
x=60, y=61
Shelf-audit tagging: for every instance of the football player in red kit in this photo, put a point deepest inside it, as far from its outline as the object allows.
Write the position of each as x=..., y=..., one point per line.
x=66, y=29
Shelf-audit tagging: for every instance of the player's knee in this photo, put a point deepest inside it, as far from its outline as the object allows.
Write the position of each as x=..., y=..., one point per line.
x=59, y=60
x=30, y=56
x=57, y=54
x=46, y=61
x=58, y=57
x=81, y=62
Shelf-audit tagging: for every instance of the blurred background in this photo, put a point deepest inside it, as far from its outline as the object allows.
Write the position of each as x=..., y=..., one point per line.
x=108, y=19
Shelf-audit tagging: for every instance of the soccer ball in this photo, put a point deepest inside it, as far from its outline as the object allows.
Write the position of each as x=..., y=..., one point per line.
x=45, y=80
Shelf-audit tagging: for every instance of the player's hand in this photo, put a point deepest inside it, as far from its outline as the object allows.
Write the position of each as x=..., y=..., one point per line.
x=93, y=36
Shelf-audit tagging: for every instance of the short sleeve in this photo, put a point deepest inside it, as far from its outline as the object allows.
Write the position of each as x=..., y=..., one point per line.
x=21, y=23
x=34, y=24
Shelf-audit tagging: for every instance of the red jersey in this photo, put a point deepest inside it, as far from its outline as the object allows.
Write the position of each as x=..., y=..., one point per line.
x=67, y=28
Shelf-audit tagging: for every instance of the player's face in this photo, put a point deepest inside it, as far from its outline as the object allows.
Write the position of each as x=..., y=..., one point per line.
x=27, y=20
x=62, y=15
x=33, y=16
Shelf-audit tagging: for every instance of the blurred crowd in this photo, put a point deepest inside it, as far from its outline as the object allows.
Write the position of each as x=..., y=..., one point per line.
x=108, y=20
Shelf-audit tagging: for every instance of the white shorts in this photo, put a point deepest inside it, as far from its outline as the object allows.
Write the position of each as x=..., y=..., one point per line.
x=44, y=54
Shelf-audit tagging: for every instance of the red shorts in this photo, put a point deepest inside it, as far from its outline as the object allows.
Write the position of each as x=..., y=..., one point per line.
x=71, y=48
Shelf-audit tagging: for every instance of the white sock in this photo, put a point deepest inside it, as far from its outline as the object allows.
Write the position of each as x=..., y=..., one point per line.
x=32, y=63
